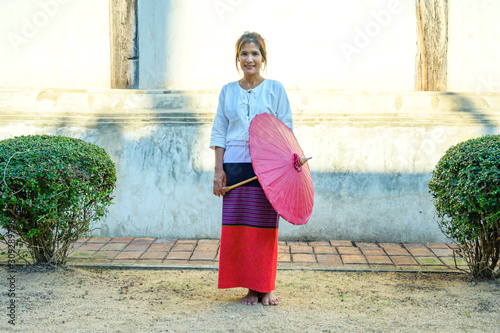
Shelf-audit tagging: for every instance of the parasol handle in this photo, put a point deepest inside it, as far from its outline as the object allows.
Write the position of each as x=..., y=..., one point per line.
x=229, y=188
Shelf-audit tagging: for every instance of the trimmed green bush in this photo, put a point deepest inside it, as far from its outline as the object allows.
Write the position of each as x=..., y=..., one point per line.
x=52, y=190
x=466, y=187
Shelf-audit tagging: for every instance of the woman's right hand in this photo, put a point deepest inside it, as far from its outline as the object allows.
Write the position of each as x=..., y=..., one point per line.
x=219, y=182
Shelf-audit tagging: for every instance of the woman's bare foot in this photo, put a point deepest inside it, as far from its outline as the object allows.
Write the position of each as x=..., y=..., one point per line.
x=252, y=298
x=269, y=299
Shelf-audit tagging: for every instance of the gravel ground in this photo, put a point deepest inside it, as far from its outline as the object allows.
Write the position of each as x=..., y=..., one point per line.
x=91, y=300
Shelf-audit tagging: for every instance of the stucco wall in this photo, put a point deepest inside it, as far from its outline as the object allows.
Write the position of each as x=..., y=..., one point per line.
x=373, y=154
x=314, y=45
x=473, y=48
x=349, y=69
x=323, y=44
x=54, y=43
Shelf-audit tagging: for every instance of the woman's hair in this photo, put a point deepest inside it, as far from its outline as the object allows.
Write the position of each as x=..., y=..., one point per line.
x=251, y=37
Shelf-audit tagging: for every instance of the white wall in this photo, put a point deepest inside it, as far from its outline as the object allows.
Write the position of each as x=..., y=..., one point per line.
x=54, y=43
x=349, y=70
x=322, y=44
x=188, y=45
x=373, y=154
x=473, y=46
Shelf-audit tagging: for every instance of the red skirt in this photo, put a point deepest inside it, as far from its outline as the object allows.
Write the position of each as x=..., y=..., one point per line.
x=249, y=239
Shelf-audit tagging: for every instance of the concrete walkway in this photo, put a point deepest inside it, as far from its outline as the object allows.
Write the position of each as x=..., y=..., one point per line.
x=157, y=253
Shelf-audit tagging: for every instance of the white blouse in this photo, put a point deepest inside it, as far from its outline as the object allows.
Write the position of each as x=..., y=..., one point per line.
x=237, y=107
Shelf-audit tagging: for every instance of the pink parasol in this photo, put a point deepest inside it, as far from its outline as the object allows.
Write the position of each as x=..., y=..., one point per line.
x=281, y=169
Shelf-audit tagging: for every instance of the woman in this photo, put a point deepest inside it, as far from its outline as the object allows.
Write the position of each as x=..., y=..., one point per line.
x=249, y=238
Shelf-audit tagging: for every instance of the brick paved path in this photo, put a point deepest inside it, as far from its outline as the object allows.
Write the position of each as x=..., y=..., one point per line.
x=204, y=253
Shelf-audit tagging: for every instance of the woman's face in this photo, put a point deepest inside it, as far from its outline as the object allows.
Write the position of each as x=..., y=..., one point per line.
x=250, y=59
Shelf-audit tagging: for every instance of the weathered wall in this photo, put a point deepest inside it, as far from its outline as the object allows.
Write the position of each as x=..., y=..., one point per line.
x=373, y=154
x=349, y=68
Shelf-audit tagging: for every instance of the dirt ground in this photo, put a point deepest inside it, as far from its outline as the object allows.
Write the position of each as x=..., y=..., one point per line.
x=91, y=300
